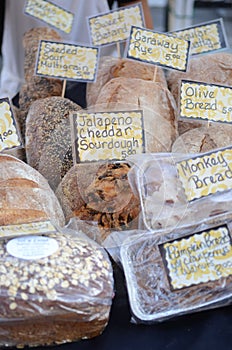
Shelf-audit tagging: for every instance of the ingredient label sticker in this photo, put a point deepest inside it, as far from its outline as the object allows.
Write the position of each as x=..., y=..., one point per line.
x=50, y=13
x=107, y=135
x=207, y=174
x=114, y=26
x=205, y=37
x=9, y=135
x=27, y=229
x=32, y=247
x=199, y=258
x=206, y=101
x=158, y=48
x=67, y=61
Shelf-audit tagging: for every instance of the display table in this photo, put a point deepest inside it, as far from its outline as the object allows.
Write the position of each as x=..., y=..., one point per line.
x=204, y=330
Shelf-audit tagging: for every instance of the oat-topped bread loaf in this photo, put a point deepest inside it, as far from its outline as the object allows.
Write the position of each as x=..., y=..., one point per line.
x=61, y=293
x=112, y=67
x=155, y=101
x=214, y=68
x=36, y=87
x=48, y=137
x=99, y=193
x=25, y=195
x=204, y=139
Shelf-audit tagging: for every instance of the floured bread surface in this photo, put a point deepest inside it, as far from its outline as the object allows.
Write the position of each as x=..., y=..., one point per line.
x=112, y=67
x=204, y=139
x=156, y=102
x=48, y=137
x=99, y=193
x=25, y=195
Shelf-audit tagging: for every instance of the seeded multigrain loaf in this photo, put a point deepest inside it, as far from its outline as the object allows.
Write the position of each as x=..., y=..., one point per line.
x=99, y=193
x=25, y=195
x=48, y=137
x=56, y=298
x=112, y=67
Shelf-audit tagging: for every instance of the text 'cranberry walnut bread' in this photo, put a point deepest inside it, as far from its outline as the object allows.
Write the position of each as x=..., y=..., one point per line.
x=99, y=193
x=213, y=68
x=204, y=139
x=62, y=296
x=112, y=67
x=48, y=137
x=155, y=101
x=25, y=195
x=36, y=87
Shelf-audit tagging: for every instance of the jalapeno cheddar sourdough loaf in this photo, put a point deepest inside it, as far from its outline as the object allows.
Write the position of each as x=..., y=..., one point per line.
x=25, y=195
x=62, y=293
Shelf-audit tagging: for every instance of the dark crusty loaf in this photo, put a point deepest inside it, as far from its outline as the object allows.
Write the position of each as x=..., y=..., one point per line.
x=48, y=137
x=25, y=195
x=112, y=67
x=99, y=193
x=35, y=87
x=58, y=298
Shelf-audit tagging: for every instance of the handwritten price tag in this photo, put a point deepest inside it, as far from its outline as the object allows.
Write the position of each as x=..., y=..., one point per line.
x=9, y=135
x=67, y=61
x=115, y=25
x=206, y=101
x=158, y=48
x=50, y=13
x=205, y=37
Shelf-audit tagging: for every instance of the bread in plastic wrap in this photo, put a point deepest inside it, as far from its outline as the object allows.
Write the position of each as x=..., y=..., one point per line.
x=177, y=272
x=155, y=101
x=25, y=195
x=99, y=192
x=113, y=67
x=204, y=139
x=212, y=68
x=167, y=201
x=61, y=294
x=48, y=137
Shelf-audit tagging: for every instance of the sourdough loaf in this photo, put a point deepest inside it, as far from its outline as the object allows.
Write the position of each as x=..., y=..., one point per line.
x=25, y=195
x=62, y=296
x=112, y=67
x=48, y=137
x=99, y=193
x=204, y=139
x=155, y=101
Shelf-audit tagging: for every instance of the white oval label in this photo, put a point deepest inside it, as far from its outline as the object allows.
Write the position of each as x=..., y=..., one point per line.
x=32, y=247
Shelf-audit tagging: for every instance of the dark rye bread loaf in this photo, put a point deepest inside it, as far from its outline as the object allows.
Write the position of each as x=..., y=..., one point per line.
x=56, y=298
x=25, y=195
x=99, y=193
x=36, y=87
x=48, y=137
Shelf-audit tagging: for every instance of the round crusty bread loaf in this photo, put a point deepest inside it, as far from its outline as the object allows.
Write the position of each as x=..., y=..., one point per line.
x=25, y=195
x=58, y=298
x=212, y=68
x=48, y=137
x=204, y=139
x=156, y=102
x=112, y=67
x=100, y=193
